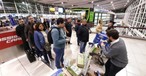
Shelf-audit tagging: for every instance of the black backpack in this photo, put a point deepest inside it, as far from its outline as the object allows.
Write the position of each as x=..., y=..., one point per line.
x=50, y=36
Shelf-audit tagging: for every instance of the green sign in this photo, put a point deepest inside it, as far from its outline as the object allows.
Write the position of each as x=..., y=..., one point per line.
x=91, y=19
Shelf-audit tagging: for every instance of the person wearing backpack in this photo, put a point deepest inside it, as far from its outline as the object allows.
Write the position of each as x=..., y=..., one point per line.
x=41, y=41
x=59, y=42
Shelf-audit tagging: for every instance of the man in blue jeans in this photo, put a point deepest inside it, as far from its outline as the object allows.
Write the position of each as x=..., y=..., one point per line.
x=83, y=33
x=59, y=41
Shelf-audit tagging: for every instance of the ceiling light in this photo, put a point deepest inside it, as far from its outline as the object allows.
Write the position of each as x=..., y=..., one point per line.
x=92, y=2
x=62, y=3
x=97, y=5
x=72, y=5
x=111, y=1
x=23, y=3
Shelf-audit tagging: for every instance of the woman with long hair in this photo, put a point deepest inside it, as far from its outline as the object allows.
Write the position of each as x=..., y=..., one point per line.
x=99, y=26
x=41, y=41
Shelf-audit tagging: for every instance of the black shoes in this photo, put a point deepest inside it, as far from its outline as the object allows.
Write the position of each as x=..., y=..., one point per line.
x=62, y=65
x=51, y=59
x=69, y=43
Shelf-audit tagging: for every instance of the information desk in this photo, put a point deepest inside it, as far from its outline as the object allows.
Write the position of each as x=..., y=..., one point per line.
x=9, y=38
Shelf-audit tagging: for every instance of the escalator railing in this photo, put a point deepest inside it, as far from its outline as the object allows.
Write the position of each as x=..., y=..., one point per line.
x=131, y=32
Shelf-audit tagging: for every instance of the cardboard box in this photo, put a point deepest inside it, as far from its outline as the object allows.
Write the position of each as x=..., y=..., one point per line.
x=74, y=70
x=80, y=61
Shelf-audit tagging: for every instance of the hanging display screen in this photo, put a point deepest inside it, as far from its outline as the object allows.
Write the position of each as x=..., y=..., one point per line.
x=52, y=9
x=60, y=10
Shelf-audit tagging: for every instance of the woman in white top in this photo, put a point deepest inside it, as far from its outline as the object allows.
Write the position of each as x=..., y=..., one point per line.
x=99, y=26
x=41, y=41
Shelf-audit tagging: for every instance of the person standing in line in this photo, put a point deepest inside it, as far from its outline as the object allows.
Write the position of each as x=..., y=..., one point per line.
x=59, y=42
x=77, y=27
x=116, y=52
x=41, y=41
x=46, y=24
x=20, y=32
x=83, y=33
x=29, y=31
x=52, y=22
x=29, y=34
x=110, y=25
x=68, y=29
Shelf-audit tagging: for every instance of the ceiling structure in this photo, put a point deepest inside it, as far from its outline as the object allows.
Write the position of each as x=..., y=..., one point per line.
x=105, y=4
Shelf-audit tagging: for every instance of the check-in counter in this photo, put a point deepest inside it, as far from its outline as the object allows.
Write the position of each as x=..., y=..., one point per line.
x=9, y=44
x=9, y=38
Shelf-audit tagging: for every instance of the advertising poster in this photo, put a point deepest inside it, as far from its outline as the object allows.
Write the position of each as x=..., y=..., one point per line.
x=91, y=18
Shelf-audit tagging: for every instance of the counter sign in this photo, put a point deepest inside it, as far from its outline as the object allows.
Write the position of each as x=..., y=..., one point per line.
x=9, y=39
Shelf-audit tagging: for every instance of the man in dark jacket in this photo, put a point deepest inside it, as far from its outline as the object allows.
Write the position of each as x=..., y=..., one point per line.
x=77, y=27
x=29, y=31
x=110, y=25
x=20, y=33
x=46, y=24
x=68, y=27
x=83, y=33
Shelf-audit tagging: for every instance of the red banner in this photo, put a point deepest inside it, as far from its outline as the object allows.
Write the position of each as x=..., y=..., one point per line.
x=9, y=39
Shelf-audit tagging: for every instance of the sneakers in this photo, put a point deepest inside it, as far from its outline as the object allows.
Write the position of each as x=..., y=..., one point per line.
x=69, y=43
x=98, y=73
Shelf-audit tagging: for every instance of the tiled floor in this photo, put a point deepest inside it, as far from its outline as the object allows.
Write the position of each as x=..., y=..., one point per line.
x=22, y=67
x=136, y=67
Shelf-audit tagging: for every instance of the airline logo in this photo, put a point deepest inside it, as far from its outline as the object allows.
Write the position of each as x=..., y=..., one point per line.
x=9, y=39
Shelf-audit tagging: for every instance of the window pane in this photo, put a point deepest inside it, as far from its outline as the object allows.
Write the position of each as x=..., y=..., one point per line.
x=9, y=7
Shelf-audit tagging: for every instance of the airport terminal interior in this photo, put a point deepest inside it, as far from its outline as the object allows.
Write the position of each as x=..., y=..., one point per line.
x=72, y=37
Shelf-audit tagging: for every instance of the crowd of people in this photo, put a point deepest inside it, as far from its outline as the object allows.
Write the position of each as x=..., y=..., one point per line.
x=36, y=38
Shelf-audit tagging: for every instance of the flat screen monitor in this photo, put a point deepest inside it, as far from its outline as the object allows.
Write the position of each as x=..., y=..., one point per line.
x=60, y=10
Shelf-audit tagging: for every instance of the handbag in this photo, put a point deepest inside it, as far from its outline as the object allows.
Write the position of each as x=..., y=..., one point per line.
x=47, y=47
